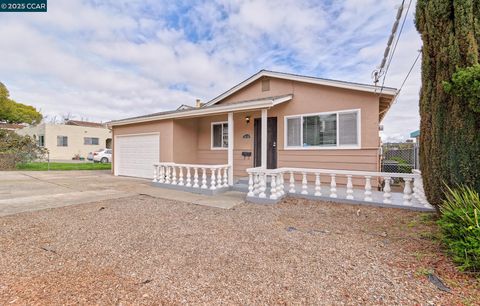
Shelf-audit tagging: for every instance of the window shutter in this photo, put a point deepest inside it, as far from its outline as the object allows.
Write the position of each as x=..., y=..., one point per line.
x=348, y=128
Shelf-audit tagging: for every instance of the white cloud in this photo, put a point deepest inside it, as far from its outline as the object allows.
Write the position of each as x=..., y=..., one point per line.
x=137, y=57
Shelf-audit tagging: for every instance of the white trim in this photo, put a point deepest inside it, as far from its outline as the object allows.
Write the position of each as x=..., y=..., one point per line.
x=199, y=112
x=211, y=135
x=281, y=100
x=306, y=79
x=230, y=147
x=138, y=134
x=115, y=161
x=337, y=146
x=264, y=134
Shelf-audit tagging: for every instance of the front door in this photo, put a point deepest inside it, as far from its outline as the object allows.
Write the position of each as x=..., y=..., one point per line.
x=271, y=142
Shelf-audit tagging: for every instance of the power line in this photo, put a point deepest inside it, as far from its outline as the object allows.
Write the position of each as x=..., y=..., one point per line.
x=377, y=73
x=396, y=43
x=410, y=71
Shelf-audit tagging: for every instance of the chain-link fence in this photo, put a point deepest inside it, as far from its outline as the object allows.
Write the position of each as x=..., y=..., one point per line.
x=400, y=157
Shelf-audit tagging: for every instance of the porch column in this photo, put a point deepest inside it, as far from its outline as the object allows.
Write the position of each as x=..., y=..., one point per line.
x=264, y=138
x=230, y=148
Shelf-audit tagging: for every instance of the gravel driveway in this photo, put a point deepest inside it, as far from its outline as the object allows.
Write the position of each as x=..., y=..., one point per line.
x=144, y=250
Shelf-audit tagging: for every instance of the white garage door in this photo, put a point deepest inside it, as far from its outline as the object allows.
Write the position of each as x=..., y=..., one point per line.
x=136, y=154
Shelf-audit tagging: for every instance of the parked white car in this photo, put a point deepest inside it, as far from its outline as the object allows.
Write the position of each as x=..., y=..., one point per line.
x=92, y=154
x=103, y=157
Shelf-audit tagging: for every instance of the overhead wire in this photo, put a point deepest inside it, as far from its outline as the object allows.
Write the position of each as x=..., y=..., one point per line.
x=395, y=46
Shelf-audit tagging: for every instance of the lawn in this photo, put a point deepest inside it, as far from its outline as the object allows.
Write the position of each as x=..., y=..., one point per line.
x=42, y=166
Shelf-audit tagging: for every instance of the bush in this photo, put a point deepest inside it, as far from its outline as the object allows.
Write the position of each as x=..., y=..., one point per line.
x=16, y=149
x=460, y=227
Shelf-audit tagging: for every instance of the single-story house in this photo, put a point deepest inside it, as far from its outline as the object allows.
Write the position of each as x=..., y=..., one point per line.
x=71, y=139
x=270, y=120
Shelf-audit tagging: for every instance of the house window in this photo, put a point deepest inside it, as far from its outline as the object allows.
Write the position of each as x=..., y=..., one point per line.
x=62, y=141
x=324, y=130
x=219, y=135
x=90, y=141
x=41, y=141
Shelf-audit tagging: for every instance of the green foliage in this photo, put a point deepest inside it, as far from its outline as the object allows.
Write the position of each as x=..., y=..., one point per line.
x=21, y=148
x=460, y=227
x=43, y=166
x=449, y=129
x=13, y=112
x=465, y=83
x=403, y=165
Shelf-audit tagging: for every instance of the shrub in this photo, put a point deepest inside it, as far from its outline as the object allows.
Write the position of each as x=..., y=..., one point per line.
x=15, y=149
x=460, y=227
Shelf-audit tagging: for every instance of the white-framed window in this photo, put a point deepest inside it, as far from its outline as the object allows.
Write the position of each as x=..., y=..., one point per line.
x=329, y=130
x=90, y=141
x=219, y=135
x=62, y=141
x=41, y=141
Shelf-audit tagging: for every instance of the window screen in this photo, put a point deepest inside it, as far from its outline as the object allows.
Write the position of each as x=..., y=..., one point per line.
x=348, y=131
x=293, y=132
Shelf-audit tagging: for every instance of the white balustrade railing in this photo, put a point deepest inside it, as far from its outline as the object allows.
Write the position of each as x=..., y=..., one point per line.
x=259, y=177
x=166, y=173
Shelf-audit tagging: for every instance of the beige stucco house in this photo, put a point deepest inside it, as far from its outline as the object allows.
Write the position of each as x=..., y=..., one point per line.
x=65, y=141
x=270, y=120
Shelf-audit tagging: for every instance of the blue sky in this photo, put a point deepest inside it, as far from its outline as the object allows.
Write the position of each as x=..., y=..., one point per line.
x=105, y=60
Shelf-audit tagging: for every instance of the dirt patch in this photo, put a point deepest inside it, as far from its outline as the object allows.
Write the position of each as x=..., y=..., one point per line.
x=144, y=250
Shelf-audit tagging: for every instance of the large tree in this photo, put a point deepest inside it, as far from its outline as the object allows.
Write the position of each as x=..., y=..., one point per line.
x=450, y=122
x=14, y=112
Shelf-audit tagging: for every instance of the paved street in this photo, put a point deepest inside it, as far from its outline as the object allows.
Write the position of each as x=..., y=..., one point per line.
x=22, y=191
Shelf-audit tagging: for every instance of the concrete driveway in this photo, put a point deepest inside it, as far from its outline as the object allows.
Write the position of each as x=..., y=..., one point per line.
x=22, y=191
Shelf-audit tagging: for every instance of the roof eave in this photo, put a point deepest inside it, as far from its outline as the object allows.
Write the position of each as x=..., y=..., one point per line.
x=333, y=83
x=199, y=112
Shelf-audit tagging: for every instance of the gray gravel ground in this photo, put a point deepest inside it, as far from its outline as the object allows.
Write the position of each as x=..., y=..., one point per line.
x=142, y=250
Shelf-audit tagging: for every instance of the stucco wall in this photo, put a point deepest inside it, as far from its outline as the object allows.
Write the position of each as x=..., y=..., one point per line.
x=191, y=138
x=205, y=154
x=165, y=128
x=310, y=98
x=185, y=141
x=75, y=136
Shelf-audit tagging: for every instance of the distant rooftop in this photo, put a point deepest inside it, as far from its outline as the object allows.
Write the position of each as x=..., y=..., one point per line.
x=11, y=126
x=85, y=123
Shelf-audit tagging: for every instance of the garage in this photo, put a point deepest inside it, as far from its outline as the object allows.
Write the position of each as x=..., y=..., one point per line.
x=135, y=154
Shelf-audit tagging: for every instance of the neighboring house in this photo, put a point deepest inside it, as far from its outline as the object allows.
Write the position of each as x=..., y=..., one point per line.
x=65, y=141
x=271, y=119
x=11, y=126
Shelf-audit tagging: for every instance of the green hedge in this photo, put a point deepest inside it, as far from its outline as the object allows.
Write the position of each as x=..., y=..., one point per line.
x=460, y=227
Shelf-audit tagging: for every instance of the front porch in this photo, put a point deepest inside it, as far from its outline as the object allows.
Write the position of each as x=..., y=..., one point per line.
x=270, y=186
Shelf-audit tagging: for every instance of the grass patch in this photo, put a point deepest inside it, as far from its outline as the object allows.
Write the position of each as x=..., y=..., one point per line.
x=42, y=166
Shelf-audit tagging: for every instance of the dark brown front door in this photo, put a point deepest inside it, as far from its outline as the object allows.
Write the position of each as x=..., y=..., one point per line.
x=271, y=142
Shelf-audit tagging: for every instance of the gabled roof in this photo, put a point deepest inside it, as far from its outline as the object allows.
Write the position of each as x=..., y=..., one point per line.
x=207, y=110
x=387, y=91
x=387, y=94
x=85, y=123
x=185, y=106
